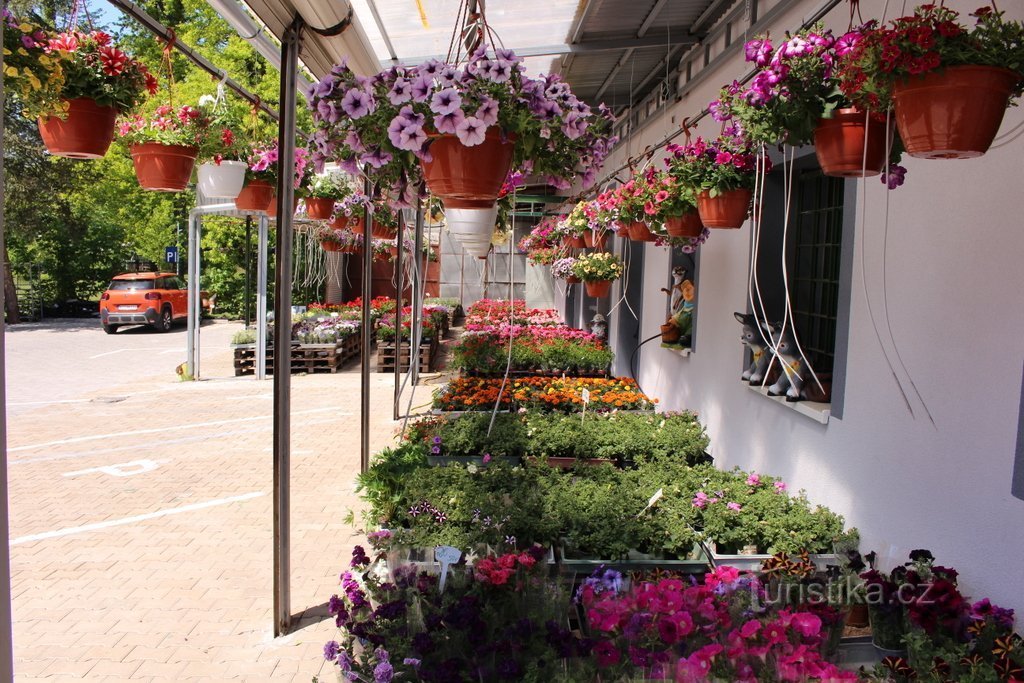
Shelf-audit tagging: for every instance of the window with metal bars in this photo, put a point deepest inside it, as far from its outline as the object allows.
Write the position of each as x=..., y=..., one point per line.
x=814, y=257
x=814, y=247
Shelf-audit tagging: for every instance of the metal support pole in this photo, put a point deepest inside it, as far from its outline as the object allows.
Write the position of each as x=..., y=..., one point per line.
x=417, y=295
x=193, y=294
x=197, y=298
x=462, y=279
x=364, y=366
x=400, y=284
x=283, y=329
x=261, y=299
x=248, y=270
x=6, y=624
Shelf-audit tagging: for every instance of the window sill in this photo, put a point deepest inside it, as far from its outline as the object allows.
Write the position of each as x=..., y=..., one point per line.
x=819, y=412
x=683, y=351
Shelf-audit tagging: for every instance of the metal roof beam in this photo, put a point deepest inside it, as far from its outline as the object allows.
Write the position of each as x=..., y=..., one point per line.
x=577, y=28
x=380, y=27
x=651, y=16
x=588, y=47
x=709, y=15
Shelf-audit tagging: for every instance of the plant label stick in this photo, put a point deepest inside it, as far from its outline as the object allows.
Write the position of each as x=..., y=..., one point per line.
x=447, y=556
x=585, y=395
x=653, y=501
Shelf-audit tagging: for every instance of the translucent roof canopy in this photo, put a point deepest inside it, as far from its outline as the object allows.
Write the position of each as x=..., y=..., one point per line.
x=410, y=31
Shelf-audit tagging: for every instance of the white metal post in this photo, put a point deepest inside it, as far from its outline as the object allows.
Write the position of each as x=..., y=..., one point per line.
x=261, y=300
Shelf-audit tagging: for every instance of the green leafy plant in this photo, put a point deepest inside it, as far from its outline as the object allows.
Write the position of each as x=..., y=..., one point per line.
x=31, y=74
x=334, y=186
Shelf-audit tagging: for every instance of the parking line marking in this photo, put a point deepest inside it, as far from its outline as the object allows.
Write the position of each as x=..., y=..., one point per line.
x=111, y=353
x=68, y=531
x=172, y=428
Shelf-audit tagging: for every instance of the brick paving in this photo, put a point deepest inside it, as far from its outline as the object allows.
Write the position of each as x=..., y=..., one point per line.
x=124, y=584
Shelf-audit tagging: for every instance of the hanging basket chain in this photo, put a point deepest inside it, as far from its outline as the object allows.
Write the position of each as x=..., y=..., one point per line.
x=168, y=65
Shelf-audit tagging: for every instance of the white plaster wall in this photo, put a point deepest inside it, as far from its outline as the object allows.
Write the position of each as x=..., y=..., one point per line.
x=952, y=287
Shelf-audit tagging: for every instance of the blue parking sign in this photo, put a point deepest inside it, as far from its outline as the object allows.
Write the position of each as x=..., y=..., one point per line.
x=171, y=254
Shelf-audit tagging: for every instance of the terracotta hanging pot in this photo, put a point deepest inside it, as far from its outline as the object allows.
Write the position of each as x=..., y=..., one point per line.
x=839, y=143
x=598, y=288
x=255, y=196
x=342, y=222
x=475, y=173
x=272, y=206
x=330, y=246
x=954, y=113
x=728, y=210
x=351, y=249
x=622, y=229
x=319, y=208
x=687, y=225
x=383, y=232
x=574, y=242
x=163, y=168
x=223, y=180
x=594, y=240
x=453, y=203
x=639, y=232
x=86, y=133
x=572, y=280
x=393, y=251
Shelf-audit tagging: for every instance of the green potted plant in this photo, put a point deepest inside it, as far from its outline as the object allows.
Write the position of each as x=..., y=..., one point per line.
x=722, y=173
x=100, y=83
x=949, y=85
x=32, y=75
x=323, y=192
x=164, y=145
x=598, y=270
x=261, y=178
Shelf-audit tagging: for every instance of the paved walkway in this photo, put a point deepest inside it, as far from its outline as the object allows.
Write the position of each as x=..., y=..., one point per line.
x=140, y=510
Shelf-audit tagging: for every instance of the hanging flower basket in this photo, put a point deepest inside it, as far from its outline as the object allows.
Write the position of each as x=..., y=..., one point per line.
x=622, y=230
x=255, y=196
x=383, y=232
x=163, y=168
x=639, y=232
x=598, y=288
x=319, y=208
x=728, y=210
x=839, y=143
x=350, y=249
x=328, y=245
x=346, y=222
x=272, y=207
x=86, y=133
x=574, y=242
x=573, y=280
x=223, y=180
x=593, y=240
x=687, y=225
x=461, y=172
x=954, y=113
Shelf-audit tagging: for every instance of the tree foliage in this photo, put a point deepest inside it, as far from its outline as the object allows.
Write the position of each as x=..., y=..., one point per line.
x=80, y=221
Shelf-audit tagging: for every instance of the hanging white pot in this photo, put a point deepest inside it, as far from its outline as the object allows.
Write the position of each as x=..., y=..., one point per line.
x=477, y=249
x=223, y=180
x=472, y=222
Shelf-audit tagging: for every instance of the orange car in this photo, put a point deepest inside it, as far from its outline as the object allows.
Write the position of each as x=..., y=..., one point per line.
x=156, y=299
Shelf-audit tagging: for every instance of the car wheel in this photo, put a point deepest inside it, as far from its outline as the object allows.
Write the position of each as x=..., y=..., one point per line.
x=166, y=320
x=110, y=329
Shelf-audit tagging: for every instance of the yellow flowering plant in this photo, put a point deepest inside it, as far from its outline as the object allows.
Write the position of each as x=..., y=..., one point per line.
x=31, y=73
x=598, y=266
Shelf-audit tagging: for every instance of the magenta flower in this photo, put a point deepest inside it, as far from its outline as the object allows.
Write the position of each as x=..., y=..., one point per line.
x=735, y=507
x=780, y=486
x=753, y=480
x=758, y=51
x=700, y=500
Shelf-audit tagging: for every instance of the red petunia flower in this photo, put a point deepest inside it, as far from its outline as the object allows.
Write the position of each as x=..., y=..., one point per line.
x=113, y=60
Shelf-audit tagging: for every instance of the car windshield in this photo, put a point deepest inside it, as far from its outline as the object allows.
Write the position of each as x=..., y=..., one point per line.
x=131, y=284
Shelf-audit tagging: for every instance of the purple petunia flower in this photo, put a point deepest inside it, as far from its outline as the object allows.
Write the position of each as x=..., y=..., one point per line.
x=895, y=177
x=401, y=91
x=325, y=86
x=421, y=88
x=357, y=103
x=487, y=112
x=471, y=131
x=377, y=158
x=445, y=101
x=430, y=68
x=448, y=76
x=449, y=123
x=758, y=51
x=327, y=110
x=331, y=650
